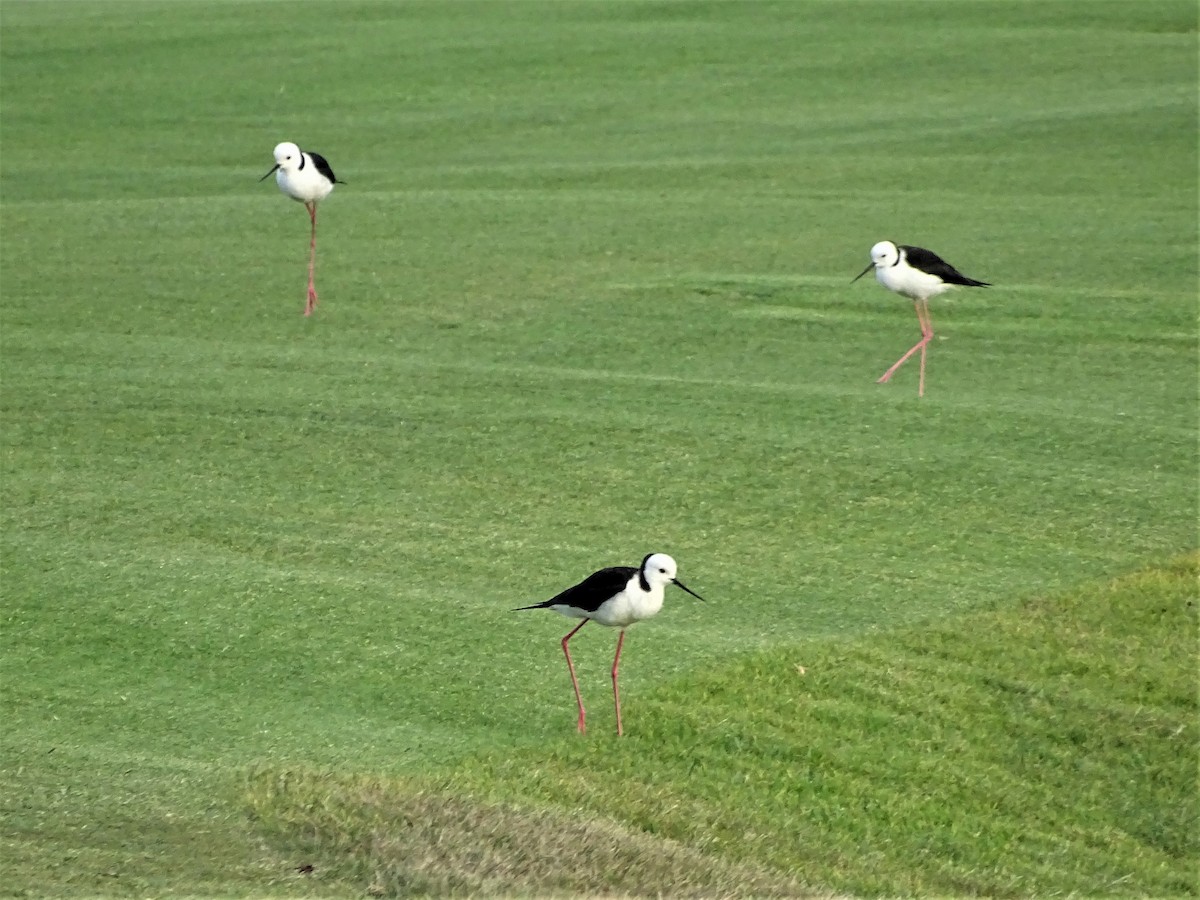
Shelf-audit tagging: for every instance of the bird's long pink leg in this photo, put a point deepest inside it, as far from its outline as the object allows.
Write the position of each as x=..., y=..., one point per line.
x=926, y=334
x=616, y=691
x=311, y=304
x=575, y=681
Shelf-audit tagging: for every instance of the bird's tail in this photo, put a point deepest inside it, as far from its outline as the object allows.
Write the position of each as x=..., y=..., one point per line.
x=535, y=606
x=960, y=278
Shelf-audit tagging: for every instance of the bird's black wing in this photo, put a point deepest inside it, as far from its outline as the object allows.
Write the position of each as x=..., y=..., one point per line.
x=592, y=591
x=928, y=261
x=324, y=168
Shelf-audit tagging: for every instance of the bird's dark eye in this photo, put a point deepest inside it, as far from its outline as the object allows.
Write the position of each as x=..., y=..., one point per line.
x=664, y=571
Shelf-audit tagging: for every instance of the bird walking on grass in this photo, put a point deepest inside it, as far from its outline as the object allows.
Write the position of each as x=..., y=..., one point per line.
x=918, y=274
x=306, y=177
x=617, y=597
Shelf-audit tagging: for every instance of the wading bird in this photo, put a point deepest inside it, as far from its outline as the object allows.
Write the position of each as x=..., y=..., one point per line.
x=918, y=274
x=306, y=177
x=617, y=597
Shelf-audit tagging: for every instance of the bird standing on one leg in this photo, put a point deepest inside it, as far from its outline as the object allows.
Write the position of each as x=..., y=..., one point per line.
x=918, y=274
x=306, y=177
x=617, y=597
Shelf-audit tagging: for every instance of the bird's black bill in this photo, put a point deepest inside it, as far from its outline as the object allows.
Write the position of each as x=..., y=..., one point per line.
x=862, y=273
x=269, y=174
x=679, y=583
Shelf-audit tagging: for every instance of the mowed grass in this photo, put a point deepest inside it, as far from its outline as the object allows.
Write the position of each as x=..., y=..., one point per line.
x=586, y=295
x=1046, y=748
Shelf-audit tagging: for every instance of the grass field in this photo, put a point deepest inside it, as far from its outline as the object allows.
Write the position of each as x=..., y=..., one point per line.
x=586, y=295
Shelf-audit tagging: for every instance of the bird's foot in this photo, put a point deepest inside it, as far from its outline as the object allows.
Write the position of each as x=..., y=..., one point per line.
x=311, y=305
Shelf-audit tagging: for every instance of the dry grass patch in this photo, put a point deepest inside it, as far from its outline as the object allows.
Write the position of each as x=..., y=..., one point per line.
x=401, y=837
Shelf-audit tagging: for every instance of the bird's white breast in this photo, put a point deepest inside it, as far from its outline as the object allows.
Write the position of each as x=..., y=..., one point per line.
x=631, y=605
x=305, y=184
x=910, y=282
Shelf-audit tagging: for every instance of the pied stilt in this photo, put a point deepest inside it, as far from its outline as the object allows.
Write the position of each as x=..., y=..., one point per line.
x=918, y=274
x=306, y=177
x=617, y=597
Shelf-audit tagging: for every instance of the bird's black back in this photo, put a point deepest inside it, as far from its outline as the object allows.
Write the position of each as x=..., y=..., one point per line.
x=928, y=261
x=323, y=167
x=592, y=591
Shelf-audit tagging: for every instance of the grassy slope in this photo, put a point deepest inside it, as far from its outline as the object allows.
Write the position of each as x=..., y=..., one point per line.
x=1039, y=749
x=591, y=259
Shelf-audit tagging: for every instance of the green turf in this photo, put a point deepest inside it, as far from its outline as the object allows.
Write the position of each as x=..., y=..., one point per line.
x=1039, y=749
x=585, y=295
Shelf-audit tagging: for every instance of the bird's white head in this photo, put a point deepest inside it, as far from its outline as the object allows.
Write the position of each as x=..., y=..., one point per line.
x=660, y=570
x=883, y=254
x=287, y=156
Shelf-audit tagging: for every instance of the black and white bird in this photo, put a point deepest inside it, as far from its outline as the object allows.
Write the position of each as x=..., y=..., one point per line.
x=918, y=274
x=306, y=177
x=617, y=597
